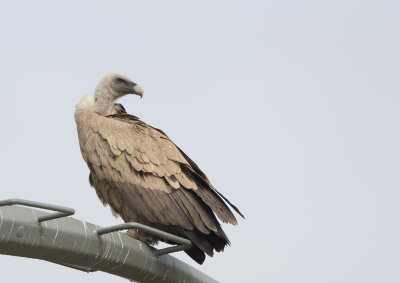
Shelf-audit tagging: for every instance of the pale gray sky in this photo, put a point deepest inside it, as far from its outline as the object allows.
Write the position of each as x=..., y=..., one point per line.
x=290, y=107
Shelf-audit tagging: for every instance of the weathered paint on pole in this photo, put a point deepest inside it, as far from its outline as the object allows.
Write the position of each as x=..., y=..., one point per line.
x=74, y=243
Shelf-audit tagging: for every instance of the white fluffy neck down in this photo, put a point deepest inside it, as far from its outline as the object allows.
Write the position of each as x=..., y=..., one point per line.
x=103, y=105
x=86, y=103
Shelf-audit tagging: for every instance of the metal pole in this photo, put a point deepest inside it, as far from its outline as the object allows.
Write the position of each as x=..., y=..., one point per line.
x=67, y=241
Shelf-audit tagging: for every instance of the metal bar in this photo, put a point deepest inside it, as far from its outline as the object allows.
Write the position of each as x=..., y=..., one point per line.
x=184, y=244
x=62, y=211
x=74, y=243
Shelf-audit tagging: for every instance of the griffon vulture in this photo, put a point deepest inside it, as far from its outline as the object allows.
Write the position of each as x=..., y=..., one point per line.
x=144, y=176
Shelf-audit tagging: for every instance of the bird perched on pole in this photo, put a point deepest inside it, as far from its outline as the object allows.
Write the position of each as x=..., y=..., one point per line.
x=144, y=177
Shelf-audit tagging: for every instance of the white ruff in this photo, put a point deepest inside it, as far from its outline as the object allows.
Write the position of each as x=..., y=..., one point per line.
x=86, y=103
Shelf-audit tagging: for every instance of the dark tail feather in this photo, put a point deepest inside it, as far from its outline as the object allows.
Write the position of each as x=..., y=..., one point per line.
x=199, y=240
x=196, y=254
x=203, y=243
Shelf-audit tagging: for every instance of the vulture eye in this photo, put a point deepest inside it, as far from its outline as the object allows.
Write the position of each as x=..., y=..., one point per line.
x=119, y=80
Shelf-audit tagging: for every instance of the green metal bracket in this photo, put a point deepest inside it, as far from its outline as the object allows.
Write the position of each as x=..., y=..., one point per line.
x=184, y=244
x=61, y=210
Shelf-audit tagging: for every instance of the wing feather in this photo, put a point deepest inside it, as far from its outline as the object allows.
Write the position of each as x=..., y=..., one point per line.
x=144, y=177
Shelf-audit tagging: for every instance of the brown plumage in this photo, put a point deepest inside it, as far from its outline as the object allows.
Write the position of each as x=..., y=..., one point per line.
x=144, y=176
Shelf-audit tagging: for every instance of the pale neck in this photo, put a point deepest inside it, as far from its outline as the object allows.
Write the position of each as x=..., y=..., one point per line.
x=103, y=103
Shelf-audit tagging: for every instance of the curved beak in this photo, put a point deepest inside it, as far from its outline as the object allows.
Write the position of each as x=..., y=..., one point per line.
x=137, y=89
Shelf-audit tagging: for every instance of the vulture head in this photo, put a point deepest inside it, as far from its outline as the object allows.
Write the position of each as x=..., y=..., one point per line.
x=113, y=86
